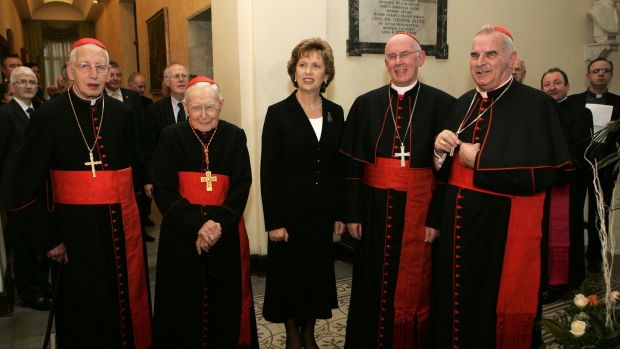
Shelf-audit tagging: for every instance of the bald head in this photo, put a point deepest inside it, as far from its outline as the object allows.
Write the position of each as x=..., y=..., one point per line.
x=518, y=70
x=137, y=82
x=403, y=57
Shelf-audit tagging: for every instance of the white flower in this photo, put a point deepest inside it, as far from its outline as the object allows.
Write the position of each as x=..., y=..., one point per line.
x=578, y=328
x=581, y=301
x=614, y=296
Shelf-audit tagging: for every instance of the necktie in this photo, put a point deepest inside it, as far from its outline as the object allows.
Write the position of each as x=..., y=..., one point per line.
x=117, y=94
x=181, y=113
x=29, y=111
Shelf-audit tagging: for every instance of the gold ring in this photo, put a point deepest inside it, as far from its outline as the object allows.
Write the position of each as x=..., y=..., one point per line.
x=441, y=141
x=210, y=238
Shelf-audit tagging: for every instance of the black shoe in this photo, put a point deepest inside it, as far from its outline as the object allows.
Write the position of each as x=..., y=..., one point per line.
x=146, y=237
x=40, y=303
x=148, y=222
x=594, y=267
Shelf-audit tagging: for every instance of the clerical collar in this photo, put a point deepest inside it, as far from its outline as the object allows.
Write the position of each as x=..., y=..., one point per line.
x=401, y=90
x=90, y=101
x=485, y=94
x=595, y=95
x=23, y=104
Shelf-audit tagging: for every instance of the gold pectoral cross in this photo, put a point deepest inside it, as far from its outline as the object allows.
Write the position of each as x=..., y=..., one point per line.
x=92, y=163
x=402, y=155
x=209, y=180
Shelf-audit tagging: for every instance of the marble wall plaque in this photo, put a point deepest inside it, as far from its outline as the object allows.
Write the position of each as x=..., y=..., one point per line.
x=373, y=22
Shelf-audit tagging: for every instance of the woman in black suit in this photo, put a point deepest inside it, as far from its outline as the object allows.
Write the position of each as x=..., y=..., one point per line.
x=301, y=179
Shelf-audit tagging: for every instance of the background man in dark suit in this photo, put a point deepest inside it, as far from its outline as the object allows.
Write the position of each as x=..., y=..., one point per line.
x=164, y=112
x=24, y=226
x=599, y=74
x=137, y=82
x=132, y=99
x=10, y=62
x=566, y=261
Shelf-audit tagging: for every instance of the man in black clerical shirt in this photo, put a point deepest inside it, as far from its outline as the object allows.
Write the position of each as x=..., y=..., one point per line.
x=24, y=227
x=565, y=252
x=599, y=74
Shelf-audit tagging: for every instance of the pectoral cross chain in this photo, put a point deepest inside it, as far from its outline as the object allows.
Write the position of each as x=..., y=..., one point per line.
x=92, y=164
x=402, y=155
x=209, y=180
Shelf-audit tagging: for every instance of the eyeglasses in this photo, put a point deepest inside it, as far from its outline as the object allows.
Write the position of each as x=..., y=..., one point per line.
x=198, y=108
x=392, y=57
x=601, y=70
x=26, y=82
x=178, y=76
x=86, y=67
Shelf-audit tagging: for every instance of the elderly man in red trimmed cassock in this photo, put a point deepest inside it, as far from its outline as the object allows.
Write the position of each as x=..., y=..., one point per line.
x=503, y=147
x=202, y=179
x=81, y=144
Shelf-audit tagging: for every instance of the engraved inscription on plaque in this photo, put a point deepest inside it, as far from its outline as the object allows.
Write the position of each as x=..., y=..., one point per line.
x=373, y=22
x=380, y=19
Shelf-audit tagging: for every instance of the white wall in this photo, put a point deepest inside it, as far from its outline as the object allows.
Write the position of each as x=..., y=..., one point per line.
x=253, y=40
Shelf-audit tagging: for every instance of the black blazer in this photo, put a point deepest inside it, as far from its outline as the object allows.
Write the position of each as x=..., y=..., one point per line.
x=146, y=103
x=13, y=124
x=299, y=172
x=159, y=115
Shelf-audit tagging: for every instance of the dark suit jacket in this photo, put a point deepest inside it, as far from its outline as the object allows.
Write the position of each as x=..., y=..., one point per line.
x=146, y=103
x=299, y=172
x=133, y=100
x=13, y=124
x=159, y=115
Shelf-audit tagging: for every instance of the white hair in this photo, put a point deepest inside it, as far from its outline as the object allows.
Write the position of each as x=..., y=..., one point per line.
x=73, y=54
x=22, y=70
x=170, y=65
x=203, y=85
x=509, y=45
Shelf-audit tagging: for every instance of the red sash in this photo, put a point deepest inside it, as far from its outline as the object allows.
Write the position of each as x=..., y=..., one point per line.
x=520, y=279
x=114, y=187
x=559, y=235
x=412, y=297
x=191, y=188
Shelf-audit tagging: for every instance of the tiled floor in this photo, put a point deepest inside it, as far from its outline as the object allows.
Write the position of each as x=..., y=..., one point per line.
x=25, y=329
